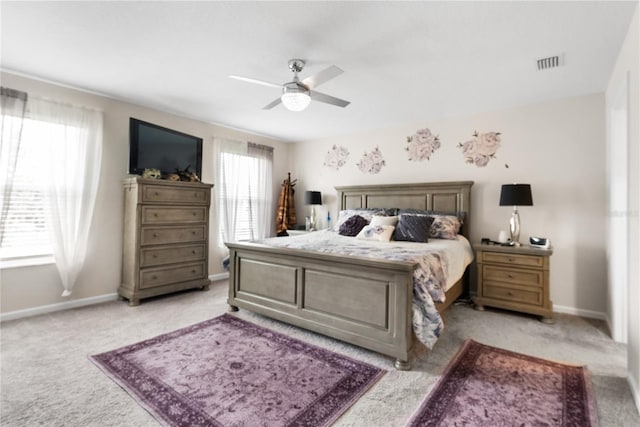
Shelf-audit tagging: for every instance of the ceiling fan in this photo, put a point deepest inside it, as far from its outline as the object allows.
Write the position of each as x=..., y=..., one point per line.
x=297, y=94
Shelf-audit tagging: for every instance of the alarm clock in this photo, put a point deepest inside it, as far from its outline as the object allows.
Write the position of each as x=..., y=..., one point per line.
x=539, y=242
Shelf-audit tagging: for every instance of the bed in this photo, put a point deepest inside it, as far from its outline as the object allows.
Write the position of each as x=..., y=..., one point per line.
x=363, y=301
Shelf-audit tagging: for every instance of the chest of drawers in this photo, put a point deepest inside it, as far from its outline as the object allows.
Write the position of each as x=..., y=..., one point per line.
x=166, y=237
x=514, y=278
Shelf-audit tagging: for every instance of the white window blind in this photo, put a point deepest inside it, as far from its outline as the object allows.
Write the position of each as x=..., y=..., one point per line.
x=25, y=232
x=244, y=191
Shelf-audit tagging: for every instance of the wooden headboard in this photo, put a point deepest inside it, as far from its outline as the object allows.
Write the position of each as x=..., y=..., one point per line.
x=433, y=196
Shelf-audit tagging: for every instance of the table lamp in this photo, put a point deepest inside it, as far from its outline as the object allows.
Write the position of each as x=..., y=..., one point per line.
x=515, y=195
x=312, y=198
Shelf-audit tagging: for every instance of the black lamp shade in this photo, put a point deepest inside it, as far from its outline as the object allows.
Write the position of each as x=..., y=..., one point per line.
x=312, y=198
x=516, y=195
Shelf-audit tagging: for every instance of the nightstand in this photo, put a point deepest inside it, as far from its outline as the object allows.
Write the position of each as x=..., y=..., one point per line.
x=514, y=278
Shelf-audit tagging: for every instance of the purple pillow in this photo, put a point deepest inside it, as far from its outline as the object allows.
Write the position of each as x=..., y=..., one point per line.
x=352, y=226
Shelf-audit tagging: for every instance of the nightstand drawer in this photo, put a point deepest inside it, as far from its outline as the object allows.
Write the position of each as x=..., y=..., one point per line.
x=513, y=259
x=512, y=294
x=516, y=276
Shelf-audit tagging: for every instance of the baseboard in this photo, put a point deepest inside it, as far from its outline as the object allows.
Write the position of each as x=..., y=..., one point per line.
x=580, y=312
x=635, y=391
x=219, y=276
x=28, y=312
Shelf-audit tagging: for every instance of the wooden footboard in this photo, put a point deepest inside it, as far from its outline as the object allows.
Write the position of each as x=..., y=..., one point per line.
x=358, y=300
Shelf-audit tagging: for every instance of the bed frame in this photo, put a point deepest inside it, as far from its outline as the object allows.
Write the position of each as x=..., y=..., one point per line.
x=359, y=300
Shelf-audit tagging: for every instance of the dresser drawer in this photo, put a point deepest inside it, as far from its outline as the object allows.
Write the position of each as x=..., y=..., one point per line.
x=160, y=194
x=152, y=277
x=513, y=259
x=151, y=256
x=164, y=235
x=161, y=214
x=513, y=294
x=517, y=276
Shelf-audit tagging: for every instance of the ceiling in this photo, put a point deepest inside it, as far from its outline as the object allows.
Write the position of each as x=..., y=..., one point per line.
x=403, y=62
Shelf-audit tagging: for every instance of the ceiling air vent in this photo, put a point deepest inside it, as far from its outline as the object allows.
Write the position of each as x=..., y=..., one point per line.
x=550, y=62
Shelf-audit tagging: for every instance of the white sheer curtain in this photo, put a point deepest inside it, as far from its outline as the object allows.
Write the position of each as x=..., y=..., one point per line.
x=244, y=189
x=71, y=183
x=12, y=117
x=263, y=182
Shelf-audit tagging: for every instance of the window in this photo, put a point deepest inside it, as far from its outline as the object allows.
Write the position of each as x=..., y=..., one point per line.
x=244, y=191
x=25, y=232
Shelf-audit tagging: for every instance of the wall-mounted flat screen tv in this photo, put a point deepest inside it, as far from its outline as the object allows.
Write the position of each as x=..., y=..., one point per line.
x=156, y=147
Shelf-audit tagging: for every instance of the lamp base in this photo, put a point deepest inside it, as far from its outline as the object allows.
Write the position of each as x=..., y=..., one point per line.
x=514, y=227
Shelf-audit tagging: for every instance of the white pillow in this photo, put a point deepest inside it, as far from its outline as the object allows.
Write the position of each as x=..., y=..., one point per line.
x=384, y=220
x=380, y=233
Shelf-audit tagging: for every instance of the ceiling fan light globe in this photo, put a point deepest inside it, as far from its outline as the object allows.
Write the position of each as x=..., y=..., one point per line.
x=295, y=98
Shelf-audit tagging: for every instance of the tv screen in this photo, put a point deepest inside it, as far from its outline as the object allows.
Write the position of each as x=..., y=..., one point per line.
x=156, y=147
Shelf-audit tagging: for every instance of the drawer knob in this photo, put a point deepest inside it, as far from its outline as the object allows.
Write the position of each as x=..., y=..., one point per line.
x=195, y=195
x=155, y=234
x=510, y=293
x=157, y=194
x=154, y=277
x=193, y=251
x=155, y=256
x=193, y=271
x=510, y=276
x=510, y=259
x=156, y=214
x=193, y=232
x=194, y=214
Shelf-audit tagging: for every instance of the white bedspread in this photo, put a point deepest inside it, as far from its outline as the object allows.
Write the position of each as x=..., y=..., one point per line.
x=441, y=263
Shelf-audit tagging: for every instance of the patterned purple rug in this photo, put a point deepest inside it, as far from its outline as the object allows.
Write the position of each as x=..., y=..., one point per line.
x=229, y=372
x=488, y=386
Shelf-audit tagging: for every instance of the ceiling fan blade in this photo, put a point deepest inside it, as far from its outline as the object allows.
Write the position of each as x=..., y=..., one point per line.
x=272, y=104
x=322, y=77
x=260, y=82
x=319, y=96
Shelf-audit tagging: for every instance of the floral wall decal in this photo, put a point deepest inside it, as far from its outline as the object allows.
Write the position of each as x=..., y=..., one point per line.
x=336, y=157
x=481, y=148
x=422, y=145
x=371, y=162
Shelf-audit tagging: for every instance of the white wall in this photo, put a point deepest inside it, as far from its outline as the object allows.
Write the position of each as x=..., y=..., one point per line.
x=558, y=147
x=30, y=287
x=627, y=64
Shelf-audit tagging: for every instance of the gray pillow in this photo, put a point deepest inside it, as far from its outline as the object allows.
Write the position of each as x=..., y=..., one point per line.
x=413, y=228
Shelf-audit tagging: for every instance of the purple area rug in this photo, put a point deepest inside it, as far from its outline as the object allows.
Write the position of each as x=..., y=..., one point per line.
x=488, y=386
x=229, y=372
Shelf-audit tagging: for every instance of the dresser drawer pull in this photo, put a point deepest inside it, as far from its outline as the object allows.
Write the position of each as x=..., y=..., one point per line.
x=510, y=293
x=510, y=259
x=155, y=234
x=195, y=195
x=193, y=271
x=154, y=277
x=193, y=251
x=157, y=194
x=194, y=214
x=510, y=276
x=156, y=214
x=155, y=256
x=193, y=232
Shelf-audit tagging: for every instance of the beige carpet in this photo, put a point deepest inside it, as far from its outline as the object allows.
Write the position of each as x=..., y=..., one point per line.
x=47, y=379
